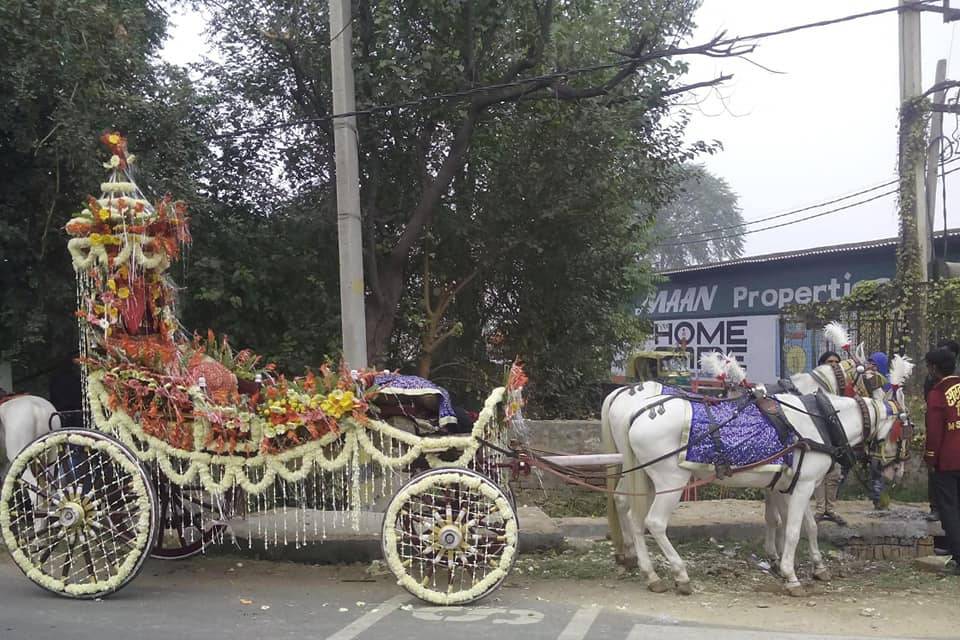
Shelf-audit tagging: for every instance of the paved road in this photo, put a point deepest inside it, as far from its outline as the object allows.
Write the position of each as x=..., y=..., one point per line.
x=224, y=598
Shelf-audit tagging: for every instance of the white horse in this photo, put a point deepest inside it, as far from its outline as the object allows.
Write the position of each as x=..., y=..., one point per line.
x=826, y=377
x=23, y=419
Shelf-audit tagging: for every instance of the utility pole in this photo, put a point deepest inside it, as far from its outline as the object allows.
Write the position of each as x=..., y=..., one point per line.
x=910, y=88
x=934, y=150
x=349, y=230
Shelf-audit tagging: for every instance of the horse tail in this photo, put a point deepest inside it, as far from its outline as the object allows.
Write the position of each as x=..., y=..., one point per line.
x=637, y=484
x=609, y=445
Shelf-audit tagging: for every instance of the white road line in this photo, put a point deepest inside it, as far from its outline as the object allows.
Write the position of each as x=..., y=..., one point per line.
x=367, y=620
x=664, y=632
x=580, y=624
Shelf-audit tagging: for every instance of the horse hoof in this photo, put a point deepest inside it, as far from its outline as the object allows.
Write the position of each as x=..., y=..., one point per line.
x=657, y=586
x=684, y=588
x=796, y=590
x=823, y=575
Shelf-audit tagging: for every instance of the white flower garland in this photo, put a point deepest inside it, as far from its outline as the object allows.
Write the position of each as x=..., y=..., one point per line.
x=234, y=470
x=395, y=562
x=85, y=253
x=117, y=187
x=38, y=449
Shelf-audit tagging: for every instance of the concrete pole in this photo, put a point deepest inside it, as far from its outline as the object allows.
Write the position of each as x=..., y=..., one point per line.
x=911, y=87
x=934, y=150
x=349, y=229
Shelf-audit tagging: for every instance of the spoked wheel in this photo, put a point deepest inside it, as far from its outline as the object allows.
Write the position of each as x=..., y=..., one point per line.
x=450, y=536
x=77, y=513
x=190, y=519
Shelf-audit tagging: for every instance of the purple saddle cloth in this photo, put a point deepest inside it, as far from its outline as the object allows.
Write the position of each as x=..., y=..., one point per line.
x=747, y=438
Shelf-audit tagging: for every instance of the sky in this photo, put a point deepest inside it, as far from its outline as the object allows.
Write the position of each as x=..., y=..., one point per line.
x=824, y=127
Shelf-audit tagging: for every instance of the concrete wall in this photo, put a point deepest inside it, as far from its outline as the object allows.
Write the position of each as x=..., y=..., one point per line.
x=565, y=436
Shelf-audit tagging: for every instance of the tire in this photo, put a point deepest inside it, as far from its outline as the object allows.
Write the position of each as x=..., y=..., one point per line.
x=78, y=513
x=450, y=536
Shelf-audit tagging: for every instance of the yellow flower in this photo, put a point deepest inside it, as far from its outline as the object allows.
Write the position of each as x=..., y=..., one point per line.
x=124, y=293
x=112, y=284
x=104, y=214
x=113, y=138
x=95, y=238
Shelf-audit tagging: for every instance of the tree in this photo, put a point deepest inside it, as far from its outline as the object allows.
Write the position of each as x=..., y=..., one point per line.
x=417, y=161
x=704, y=208
x=70, y=69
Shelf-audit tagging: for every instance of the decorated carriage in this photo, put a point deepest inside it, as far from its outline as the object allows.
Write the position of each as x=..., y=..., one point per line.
x=183, y=436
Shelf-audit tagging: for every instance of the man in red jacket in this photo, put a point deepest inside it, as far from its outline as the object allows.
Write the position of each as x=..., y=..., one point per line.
x=943, y=444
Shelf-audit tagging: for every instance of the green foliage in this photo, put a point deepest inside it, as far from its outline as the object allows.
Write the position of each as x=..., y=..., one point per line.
x=703, y=203
x=70, y=69
x=524, y=205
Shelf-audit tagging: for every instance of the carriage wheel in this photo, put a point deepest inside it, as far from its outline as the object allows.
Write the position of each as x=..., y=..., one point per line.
x=189, y=520
x=450, y=536
x=77, y=513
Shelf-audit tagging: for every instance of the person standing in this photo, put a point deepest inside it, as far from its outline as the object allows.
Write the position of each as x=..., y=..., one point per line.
x=954, y=348
x=942, y=452
x=826, y=492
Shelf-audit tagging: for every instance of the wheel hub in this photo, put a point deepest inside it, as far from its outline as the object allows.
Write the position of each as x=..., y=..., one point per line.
x=450, y=537
x=71, y=515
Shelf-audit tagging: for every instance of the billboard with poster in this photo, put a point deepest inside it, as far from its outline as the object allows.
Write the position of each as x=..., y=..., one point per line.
x=753, y=340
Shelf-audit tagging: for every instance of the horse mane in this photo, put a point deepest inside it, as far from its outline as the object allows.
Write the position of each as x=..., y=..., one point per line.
x=900, y=370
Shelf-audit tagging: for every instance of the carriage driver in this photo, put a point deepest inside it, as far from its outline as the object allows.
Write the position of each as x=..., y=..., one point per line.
x=942, y=452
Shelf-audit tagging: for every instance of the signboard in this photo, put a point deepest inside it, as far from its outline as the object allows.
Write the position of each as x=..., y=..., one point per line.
x=764, y=288
x=679, y=300
x=752, y=340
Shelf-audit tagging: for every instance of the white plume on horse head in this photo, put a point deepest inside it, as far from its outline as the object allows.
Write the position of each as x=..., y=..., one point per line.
x=861, y=353
x=901, y=368
x=837, y=335
x=713, y=363
x=735, y=373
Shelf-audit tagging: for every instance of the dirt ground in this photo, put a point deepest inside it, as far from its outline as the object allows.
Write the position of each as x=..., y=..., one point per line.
x=732, y=586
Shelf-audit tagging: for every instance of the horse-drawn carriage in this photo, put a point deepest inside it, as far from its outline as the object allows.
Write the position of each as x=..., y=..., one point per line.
x=184, y=436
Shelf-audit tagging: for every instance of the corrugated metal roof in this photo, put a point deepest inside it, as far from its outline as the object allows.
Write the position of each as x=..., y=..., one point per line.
x=803, y=253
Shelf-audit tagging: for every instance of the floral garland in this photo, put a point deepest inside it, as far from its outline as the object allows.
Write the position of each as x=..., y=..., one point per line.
x=353, y=438
x=489, y=581
x=37, y=449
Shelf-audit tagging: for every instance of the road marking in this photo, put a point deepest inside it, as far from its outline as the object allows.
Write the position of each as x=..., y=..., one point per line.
x=367, y=620
x=477, y=614
x=663, y=632
x=580, y=624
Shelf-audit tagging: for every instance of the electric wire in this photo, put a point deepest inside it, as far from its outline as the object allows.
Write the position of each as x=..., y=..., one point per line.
x=626, y=61
x=791, y=222
x=785, y=214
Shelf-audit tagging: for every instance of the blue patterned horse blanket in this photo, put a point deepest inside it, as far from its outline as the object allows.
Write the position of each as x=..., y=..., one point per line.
x=412, y=386
x=746, y=437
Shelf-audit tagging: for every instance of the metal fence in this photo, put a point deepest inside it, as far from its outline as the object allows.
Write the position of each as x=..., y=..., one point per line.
x=879, y=324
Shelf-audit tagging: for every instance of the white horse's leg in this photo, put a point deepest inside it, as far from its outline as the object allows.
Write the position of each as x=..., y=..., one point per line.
x=820, y=571
x=797, y=505
x=633, y=523
x=626, y=528
x=667, y=475
x=771, y=516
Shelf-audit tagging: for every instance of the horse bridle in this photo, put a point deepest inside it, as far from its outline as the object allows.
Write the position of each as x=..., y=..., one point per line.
x=871, y=441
